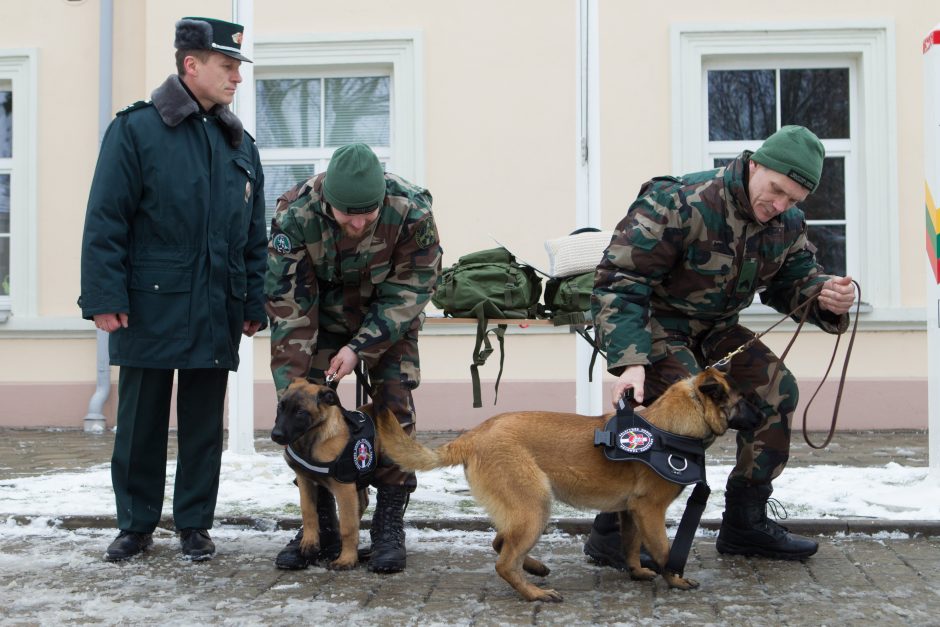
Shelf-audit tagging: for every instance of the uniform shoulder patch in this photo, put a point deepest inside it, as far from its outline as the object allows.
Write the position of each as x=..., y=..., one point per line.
x=281, y=243
x=426, y=233
x=140, y=104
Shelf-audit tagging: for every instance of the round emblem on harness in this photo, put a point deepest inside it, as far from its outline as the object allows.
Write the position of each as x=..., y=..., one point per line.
x=363, y=455
x=635, y=440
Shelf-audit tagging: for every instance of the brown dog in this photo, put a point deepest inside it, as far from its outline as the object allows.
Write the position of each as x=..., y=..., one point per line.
x=310, y=420
x=516, y=461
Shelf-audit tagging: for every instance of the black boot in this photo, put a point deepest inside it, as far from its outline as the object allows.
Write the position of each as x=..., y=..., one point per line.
x=196, y=544
x=388, y=530
x=605, y=547
x=292, y=558
x=746, y=530
x=127, y=545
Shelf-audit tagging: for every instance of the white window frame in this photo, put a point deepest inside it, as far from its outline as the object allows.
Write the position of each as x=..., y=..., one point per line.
x=19, y=68
x=870, y=44
x=400, y=55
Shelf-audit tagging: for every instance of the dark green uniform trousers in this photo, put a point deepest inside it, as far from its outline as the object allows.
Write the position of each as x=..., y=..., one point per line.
x=138, y=464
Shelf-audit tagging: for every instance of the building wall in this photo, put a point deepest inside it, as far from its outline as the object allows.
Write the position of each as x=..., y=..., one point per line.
x=498, y=102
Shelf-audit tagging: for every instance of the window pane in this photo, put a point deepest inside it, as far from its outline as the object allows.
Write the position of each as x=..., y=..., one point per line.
x=4, y=204
x=741, y=104
x=828, y=201
x=288, y=113
x=830, y=244
x=816, y=99
x=280, y=178
x=720, y=163
x=4, y=266
x=6, y=124
x=357, y=110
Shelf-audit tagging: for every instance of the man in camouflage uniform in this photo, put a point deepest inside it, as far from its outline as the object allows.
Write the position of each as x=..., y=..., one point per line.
x=353, y=259
x=688, y=257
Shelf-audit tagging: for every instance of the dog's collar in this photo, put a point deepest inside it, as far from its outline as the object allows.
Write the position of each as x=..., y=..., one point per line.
x=627, y=436
x=356, y=462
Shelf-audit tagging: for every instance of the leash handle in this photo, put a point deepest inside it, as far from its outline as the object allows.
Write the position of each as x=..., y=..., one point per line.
x=845, y=367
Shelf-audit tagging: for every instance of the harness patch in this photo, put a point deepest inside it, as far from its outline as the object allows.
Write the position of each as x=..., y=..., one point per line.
x=363, y=455
x=635, y=440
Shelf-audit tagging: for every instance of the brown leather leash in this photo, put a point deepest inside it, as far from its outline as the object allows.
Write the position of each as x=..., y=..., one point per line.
x=805, y=306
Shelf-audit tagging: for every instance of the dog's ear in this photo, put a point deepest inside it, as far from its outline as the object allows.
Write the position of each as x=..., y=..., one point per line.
x=714, y=390
x=327, y=396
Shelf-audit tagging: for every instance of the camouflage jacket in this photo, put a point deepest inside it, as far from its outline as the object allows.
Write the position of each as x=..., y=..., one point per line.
x=372, y=291
x=689, y=256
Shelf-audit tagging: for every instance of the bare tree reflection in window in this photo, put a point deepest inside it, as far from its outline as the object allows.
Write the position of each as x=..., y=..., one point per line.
x=817, y=99
x=741, y=104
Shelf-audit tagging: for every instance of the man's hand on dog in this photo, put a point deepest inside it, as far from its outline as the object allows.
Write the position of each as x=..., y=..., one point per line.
x=344, y=362
x=632, y=378
x=837, y=295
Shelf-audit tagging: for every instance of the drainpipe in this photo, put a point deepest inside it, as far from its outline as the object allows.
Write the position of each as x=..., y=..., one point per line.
x=94, y=420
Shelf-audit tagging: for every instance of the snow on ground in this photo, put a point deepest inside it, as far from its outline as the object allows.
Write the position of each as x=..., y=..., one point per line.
x=260, y=485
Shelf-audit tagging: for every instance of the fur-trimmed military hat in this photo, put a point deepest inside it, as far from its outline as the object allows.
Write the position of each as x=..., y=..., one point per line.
x=205, y=33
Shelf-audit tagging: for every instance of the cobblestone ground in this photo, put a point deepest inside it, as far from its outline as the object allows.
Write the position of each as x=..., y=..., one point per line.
x=51, y=578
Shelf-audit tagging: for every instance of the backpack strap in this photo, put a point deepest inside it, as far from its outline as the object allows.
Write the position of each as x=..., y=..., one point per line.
x=482, y=350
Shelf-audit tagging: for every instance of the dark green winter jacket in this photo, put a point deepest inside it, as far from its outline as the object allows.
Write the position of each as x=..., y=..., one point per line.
x=175, y=233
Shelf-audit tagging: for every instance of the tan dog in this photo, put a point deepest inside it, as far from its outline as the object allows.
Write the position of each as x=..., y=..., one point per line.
x=310, y=420
x=516, y=461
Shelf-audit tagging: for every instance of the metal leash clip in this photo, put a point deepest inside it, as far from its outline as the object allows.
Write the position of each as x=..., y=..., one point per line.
x=330, y=380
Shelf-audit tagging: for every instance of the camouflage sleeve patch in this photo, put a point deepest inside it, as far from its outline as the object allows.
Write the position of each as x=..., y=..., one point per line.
x=426, y=233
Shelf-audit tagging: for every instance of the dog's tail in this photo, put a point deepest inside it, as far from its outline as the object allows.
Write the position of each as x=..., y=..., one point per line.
x=408, y=453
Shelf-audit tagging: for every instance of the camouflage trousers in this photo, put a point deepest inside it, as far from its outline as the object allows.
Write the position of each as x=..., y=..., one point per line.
x=396, y=373
x=763, y=452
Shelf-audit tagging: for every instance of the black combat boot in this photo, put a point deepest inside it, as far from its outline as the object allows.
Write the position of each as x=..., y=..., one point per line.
x=292, y=558
x=388, y=529
x=746, y=530
x=605, y=547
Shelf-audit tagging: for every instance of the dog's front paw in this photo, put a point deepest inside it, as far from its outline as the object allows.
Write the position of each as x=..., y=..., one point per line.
x=343, y=564
x=680, y=583
x=642, y=574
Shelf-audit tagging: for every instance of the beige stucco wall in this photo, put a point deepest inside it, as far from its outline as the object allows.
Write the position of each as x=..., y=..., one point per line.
x=499, y=96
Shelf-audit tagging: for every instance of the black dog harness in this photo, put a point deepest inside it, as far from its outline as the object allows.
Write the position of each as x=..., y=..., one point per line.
x=627, y=436
x=357, y=461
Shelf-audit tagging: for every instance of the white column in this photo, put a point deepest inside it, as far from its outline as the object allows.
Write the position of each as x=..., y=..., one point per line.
x=932, y=198
x=588, y=395
x=241, y=396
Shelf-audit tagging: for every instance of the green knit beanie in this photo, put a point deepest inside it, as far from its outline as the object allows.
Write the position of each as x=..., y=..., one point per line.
x=354, y=181
x=796, y=152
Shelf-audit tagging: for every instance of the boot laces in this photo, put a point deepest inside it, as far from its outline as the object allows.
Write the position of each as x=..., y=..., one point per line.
x=778, y=511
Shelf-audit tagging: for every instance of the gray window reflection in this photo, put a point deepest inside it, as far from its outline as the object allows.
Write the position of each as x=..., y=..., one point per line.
x=357, y=110
x=280, y=178
x=4, y=234
x=6, y=124
x=741, y=104
x=829, y=240
x=828, y=201
x=288, y=113
x=817, y=99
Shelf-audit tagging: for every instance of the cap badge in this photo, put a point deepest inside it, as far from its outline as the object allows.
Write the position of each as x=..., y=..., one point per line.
x=237, y=38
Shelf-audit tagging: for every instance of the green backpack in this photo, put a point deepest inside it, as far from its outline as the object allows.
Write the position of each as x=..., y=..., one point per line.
x=568, y=298
x=485, y=285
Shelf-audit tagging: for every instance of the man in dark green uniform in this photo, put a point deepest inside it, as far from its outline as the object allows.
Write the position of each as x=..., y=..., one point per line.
x=173, y=261
x=353, y=260
x=689, y=256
